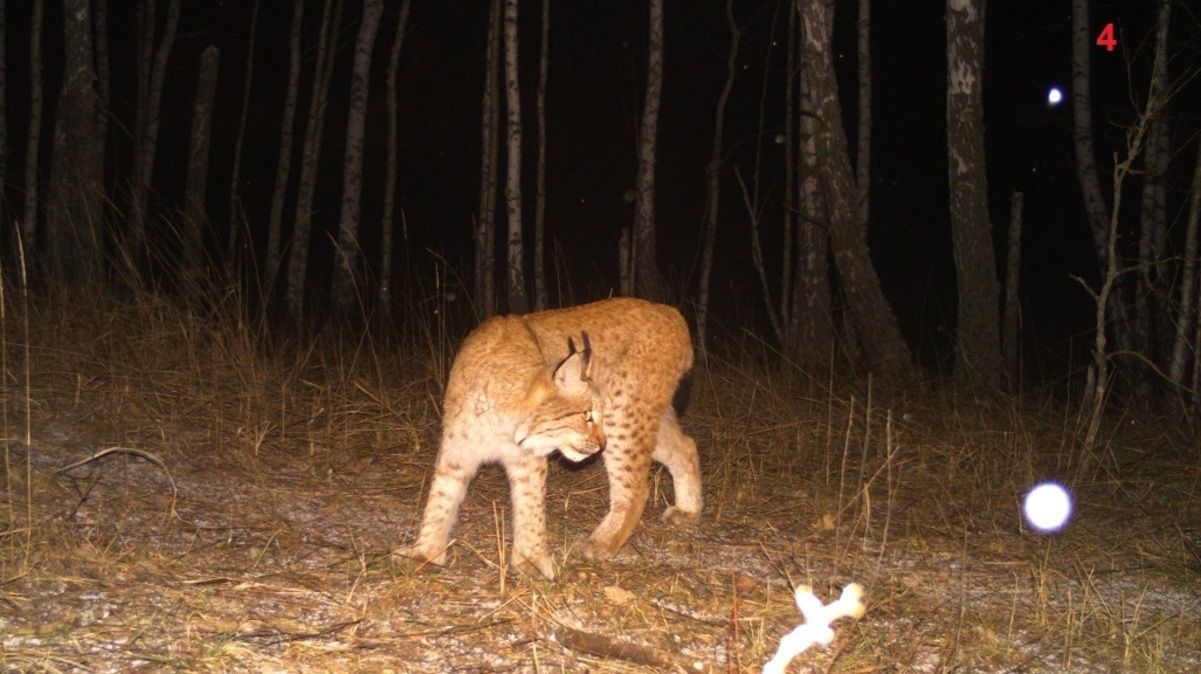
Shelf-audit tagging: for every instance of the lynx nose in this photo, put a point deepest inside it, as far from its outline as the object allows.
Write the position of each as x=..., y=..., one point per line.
x=598, y=437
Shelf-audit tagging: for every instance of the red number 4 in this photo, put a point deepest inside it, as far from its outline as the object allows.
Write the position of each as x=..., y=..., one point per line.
x=1106, y=38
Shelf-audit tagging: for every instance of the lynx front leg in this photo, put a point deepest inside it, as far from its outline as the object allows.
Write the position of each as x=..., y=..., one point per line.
x=527, y=485
x=678, y=452
x=453, y=471
x=628, y=463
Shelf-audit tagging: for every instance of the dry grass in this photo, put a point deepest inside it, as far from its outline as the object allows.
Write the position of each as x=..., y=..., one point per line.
x=249, y=529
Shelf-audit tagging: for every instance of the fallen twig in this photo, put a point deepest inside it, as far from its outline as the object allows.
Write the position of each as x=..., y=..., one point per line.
x=136, y=452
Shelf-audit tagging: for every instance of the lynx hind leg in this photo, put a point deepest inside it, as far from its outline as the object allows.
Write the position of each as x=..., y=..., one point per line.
x=453, y=472
x=628, y=464
x=677, y=452
x=527, y=486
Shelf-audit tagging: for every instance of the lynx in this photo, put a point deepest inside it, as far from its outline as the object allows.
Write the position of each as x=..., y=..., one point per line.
x=520, y=389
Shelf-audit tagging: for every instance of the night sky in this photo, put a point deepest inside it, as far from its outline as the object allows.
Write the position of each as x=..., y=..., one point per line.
x=594, y=99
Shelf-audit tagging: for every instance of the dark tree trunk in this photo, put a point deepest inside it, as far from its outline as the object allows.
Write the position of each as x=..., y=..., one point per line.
x=195, y=222
x=752, y=201
x=1187, y=312
x=518, y=304
x=76, y=185
x=298, y=258
x=978, y=337
x=3, y=112
x=540, y=299
x=863, y=153
x=283, y=168
x=647, y=281
x=789, y=221
x=485, y=229
x=713, y=182
x=1151, y=312
x=1013, y=306
x=347, y=250
x=33, y=140
x=388, y=219
x=147, y=131
x=104, y=107
x=236, y=214
x=874, y=321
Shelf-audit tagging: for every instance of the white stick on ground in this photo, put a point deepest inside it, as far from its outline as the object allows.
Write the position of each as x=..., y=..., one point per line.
x=817, y=626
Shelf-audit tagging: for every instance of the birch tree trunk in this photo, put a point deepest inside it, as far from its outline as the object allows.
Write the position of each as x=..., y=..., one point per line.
x=874, y=321
x=298, y=254
x=149, y=120
x=1013, y=306
x=713, y=183
x=29, y=222
x=195, y=217
x=76, y=183
x=647, y=280
x=863, y=154
x=1188, y=283
x=814, y=340
x=485, y=230
x=1118, y=309
x=518, y=304
x=236, y=215
x=978, y=348
x=283, y=168
x=347, y=249
x=388, y=219
x=540, y=299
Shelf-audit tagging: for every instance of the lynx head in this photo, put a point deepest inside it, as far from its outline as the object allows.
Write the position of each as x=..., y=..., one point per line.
x=564, y=409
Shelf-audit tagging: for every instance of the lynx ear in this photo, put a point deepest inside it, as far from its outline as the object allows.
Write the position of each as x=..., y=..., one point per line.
x=571, y=374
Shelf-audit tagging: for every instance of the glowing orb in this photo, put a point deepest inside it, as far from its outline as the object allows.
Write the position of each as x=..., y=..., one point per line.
x=1047, y=507
x=1054, y=96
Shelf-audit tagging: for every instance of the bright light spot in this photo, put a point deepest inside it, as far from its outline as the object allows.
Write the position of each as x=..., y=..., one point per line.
x=1054, y=96
x=1047, y=507
x=779, y=139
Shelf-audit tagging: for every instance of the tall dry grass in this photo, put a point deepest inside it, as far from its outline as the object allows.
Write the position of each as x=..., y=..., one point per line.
x=129, y=411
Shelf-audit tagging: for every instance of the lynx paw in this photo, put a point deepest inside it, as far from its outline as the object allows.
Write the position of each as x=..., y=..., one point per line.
x=534, y=565
x=590, y=548
x=418, y=558
x=680, y=518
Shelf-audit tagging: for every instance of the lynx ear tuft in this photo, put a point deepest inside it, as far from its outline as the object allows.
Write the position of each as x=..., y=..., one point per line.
x=570, y=376
x=585, y=354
